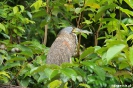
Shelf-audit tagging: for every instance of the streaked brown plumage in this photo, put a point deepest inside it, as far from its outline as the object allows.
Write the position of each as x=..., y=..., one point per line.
x=63, y=48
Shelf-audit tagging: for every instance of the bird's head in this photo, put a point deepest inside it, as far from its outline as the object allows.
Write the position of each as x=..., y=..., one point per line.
x=74, y=30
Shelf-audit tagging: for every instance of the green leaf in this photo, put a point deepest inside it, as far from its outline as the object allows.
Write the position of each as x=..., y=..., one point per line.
x=100, y=72
x=113, y=51
x=15, y=9
x=55, y=84
x=64, y=65
x=131, y=55
x=87, y=22
x=25, y=82
x=38, y=69
x=48, y=72
x=69, y=72
x=21, y=7
x=53, y=74
x=4, y=73
x=29, y=14
x=130, y=3
x=77, y=10
x=123, y=65
x=126, y=11
x=40, y=13
x=102, y=9
x=65, y=86
x=130, y=37
x=80, y=72
x=2, y=27
x=10, y=65
x=84, y=85
x=87, y=52
x=84, y=35
x=18, y=58
x=110, y=70
x=88, y=64
x=37, y=4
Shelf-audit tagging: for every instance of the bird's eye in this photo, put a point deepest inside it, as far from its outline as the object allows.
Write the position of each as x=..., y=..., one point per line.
x=73, y=30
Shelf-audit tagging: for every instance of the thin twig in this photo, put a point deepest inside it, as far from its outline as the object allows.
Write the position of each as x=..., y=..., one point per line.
x=97, y=33
x=46, y=26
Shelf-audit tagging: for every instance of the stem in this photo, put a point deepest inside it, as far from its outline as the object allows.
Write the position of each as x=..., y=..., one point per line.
x=78, y=48
x=46, y=26
x=97, y=34
x=45, y=35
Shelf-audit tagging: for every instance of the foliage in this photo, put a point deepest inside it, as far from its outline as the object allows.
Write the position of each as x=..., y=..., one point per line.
x=23, y=63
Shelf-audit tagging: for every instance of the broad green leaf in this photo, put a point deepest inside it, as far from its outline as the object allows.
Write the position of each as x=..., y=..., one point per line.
x=42, y=77
x=112, y=26
x=21, y=29
x=84, y=85
x=55, y=84
x=17, y=58
x=131, y=55
x=69, y=72
x=92, y=4
x=87, y=52
x=22, y=8
x=102, y=9
x=77, y=10
x=123, y=65
x=123, y=73
x=2, y=27
x=43, y=67
x=25, y=82
x=65, y=86
x=88, y=64
x=113, y=51
x=80, y=72
x=37, y=4
x=110, y=70
x=124, y=27
x=130, y=37
x=64, y=65
x=84, y=35
x=100, y=72
x=15, y=9
x=48, y=72
x=10, y=65
x=53, y=74
x=4, y=73
x=27, y=53
x=40, y=13
x=38, y=69
x=130, y=3
x=126, y=11
x=69, y=7
x=29, y=14
x=87, y=22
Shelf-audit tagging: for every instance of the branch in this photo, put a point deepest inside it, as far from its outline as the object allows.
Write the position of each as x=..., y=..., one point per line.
x=46, y=26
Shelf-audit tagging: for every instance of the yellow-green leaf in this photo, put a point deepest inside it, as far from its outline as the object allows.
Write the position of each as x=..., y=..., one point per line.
x=114, y=50
x=131, y=55
x=84, y=85
x=2, y=27
x=4, y=73
x=55, y=84
x=15, y=9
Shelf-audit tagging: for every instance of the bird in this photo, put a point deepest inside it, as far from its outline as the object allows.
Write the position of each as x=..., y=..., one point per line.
x=64, y=46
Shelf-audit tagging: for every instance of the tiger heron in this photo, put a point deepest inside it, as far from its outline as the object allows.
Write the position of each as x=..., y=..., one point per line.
x=64, y=46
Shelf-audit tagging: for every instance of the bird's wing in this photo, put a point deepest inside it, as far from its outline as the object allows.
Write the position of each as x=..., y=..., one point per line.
x=60, y=51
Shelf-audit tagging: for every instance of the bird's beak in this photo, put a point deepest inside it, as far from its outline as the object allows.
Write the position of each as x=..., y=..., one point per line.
x=77, y=30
